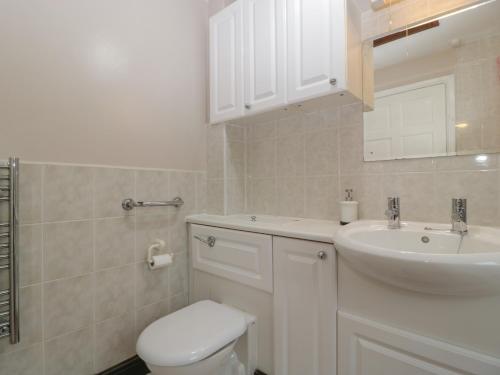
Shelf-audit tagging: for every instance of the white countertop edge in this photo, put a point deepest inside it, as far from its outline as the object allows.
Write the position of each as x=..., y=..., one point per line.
x=305, y=229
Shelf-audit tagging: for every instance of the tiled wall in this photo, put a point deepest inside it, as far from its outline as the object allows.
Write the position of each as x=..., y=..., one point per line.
x=301, y=165
x=86, y=292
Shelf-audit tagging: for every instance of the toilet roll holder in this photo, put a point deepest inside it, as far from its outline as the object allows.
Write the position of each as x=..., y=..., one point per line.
x=153, y=250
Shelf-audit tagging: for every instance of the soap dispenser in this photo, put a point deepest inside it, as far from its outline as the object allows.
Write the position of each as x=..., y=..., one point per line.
x=348, y=208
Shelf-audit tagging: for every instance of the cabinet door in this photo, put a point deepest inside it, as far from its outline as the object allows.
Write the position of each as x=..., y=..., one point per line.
x=226, y=63
x=265, y=65
x=367, y=347
x=305, y=299
x=316, y=47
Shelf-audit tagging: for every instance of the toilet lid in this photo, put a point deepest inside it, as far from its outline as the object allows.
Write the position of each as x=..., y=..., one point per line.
x=190, y=334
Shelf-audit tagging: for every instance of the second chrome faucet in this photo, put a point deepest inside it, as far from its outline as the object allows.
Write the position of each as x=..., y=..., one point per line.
x=458, y=215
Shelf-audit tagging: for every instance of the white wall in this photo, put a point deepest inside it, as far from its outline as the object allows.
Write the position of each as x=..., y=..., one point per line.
x=115, y=82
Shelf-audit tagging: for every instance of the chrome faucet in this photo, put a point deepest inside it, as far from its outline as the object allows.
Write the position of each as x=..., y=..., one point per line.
x=393, y=213
x=459, y=216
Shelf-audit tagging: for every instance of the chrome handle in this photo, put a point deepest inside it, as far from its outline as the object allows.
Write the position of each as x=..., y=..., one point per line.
x=322, y=255
x=210, y=240
x=129, y=204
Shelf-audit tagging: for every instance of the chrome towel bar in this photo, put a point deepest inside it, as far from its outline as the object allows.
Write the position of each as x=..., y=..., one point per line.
x=9, y=261
x=129, y=204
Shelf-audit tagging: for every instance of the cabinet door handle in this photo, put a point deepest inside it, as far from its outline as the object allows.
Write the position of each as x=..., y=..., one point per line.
x=322, y=255
x=210, y=240
x=248, y=106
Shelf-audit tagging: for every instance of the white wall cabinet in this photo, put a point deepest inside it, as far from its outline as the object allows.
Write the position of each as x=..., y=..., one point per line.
x=226, y=63
x=305, y=300
x=265, y=66
x=292, y=51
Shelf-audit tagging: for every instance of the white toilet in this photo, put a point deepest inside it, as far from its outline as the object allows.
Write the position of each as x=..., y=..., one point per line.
x=196, y=340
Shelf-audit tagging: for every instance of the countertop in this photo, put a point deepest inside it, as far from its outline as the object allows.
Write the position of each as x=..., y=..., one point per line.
x=306, y=229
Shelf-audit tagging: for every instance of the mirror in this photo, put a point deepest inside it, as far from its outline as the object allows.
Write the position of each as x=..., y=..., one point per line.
x=437, y=88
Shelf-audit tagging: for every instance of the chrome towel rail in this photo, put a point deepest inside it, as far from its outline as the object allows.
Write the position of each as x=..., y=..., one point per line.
x=9, y=261
x=129, y=204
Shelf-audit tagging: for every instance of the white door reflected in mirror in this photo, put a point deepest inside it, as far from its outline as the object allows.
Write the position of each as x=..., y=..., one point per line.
x=437, y=88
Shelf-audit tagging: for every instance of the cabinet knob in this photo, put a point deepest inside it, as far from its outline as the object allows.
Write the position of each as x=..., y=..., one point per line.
x=248, y=106
x=322, y=255
x=333, y=81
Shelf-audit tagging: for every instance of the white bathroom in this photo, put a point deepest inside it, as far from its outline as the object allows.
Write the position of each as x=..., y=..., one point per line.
x=250, y=187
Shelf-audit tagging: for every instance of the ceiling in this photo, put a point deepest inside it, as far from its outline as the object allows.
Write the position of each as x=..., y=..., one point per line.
x=460, y=27
x=363, y=5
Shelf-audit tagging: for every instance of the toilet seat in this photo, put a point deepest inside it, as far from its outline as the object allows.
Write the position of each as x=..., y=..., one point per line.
x=191, y=334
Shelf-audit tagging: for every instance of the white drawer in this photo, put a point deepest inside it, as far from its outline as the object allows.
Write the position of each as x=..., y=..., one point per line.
x=240, y=256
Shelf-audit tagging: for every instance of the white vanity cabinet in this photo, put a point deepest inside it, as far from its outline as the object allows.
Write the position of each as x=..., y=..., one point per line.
x=265, y=54
x=305, y=302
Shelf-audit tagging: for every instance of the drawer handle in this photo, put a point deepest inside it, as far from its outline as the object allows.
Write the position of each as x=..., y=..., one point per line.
x=322, y=255
x=210, y=240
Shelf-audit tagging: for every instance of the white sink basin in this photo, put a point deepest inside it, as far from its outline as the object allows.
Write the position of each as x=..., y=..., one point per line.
x=437, y=262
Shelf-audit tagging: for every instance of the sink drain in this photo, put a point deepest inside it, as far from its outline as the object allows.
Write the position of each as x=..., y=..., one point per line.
x=425, y=239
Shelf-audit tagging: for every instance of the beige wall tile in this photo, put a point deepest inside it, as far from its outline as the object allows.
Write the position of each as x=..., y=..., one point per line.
x=261, y=158
x=67, y=193
x=235, y=159
x=481, y=188
x=291, y=196
x=321, y=153
x=178, y=275
x=215, y=151
x=177, y=235
x=215, y=197
x=114, y=341
x=368, y=192
x=290, y=125
x=290, y=156
x=111, y=186
x=151, y=286
x=114, y=292
x=30, y=254
x=235, y=132
x=67, y=249
x=265, y=130
x=178, y=301
x=149, y=229
x=30, y=193
x=148, y=314
x=114, y=242
x=262, y=196
x=27, y=361
x=67, y=305
x=236, y=196
x=183, y=184
x=322, y=197
x=201, y=192
x=416, y=191
x=152, y=186
x=70, y=354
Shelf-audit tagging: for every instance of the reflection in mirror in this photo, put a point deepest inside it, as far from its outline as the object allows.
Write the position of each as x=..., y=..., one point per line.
x=437, y=88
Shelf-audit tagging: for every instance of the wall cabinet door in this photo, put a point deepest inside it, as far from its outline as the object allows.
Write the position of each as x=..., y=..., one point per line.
x=226, y=63
x=316, y=48
x=305, y=295
x=265, y=65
